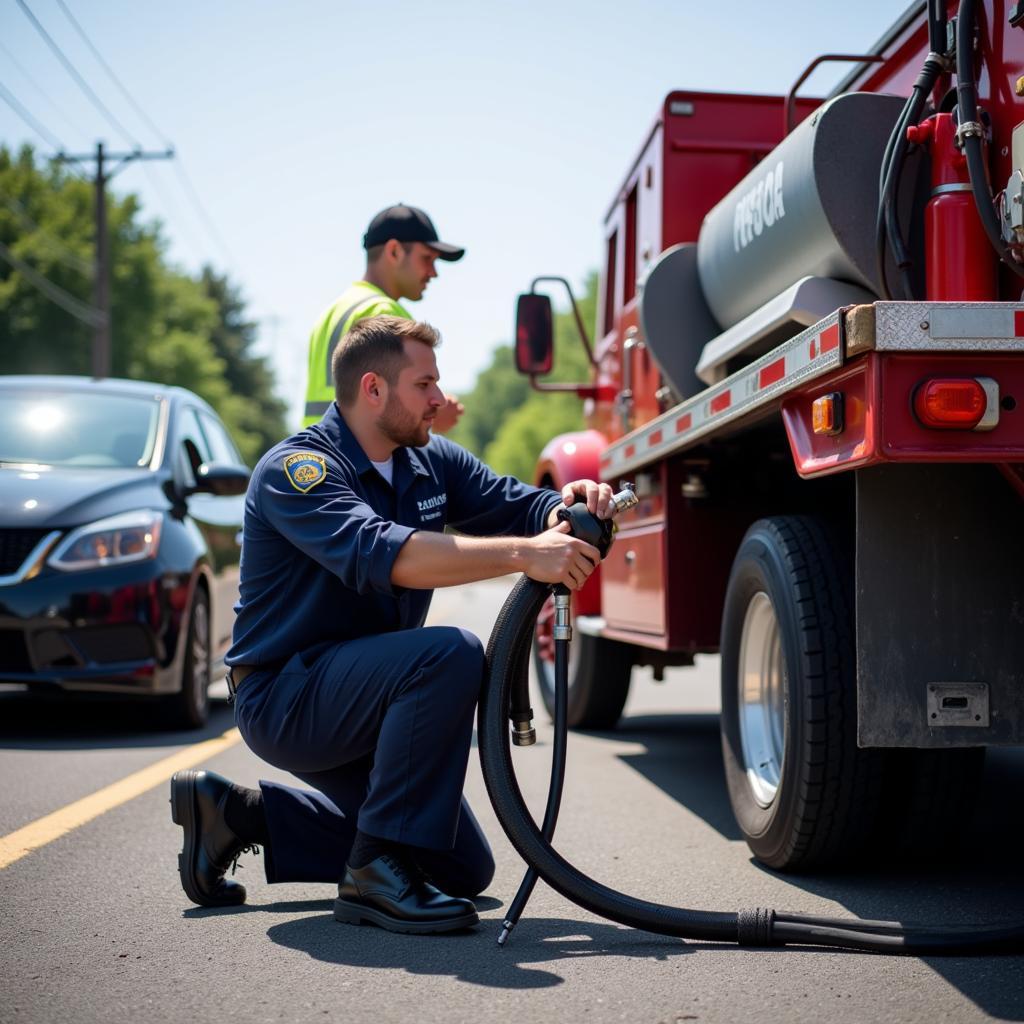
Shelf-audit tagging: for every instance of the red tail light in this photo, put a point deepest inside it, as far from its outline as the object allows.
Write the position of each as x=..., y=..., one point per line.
x=951, y=403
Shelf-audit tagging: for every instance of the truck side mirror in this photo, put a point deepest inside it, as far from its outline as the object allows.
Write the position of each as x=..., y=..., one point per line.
x=534, y=339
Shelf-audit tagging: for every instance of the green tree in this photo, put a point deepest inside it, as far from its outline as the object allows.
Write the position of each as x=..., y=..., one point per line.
x=522, y=420
x=499, y=389
x=167, y=326
x=260, y=416
x=506, y=422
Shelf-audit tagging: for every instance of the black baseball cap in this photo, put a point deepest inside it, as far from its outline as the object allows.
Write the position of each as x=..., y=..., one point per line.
x=408, y=224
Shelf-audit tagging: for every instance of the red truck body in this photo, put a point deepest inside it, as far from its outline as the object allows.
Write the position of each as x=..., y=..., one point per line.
x=743, y=478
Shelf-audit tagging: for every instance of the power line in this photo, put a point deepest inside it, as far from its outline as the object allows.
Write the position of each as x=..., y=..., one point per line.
x=76, y=307
x=38, y=88
x=191, y=192
x=101, y=342
x=187, y=187
x=110, y=73
x=64, y=253
x=47, y=136
x=82, y=83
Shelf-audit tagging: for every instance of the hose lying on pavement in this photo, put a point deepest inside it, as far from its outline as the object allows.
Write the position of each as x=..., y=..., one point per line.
x=505, y=686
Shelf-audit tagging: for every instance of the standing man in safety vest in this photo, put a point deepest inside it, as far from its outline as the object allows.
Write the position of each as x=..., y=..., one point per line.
x=402, y=247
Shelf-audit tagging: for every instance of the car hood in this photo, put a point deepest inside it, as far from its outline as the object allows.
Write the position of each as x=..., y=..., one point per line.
x=54, y=496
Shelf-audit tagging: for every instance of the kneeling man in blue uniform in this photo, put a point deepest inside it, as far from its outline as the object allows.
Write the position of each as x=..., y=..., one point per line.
x=337, y=680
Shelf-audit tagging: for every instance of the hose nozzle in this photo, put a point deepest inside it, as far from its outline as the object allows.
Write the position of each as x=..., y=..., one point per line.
x=626, y=498
x=588, y=527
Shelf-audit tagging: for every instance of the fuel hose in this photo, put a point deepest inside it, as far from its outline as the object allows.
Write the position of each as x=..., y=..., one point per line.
x=505, y=689
x=971, y=131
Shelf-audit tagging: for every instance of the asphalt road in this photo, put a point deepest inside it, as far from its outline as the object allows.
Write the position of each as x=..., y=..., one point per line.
x=94, y=925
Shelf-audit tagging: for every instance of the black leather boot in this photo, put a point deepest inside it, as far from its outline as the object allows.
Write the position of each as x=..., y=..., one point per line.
x=393, y=895
x=210, y=848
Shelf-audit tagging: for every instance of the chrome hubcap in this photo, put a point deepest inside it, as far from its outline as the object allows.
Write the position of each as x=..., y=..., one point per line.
x=762, y=699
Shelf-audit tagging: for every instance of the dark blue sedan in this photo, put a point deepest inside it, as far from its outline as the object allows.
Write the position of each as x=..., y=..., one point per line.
x=120, y=535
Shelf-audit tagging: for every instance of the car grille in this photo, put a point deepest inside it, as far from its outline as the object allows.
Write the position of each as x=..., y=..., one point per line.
x=15, y=546
x=13, y=652
x=106, y=644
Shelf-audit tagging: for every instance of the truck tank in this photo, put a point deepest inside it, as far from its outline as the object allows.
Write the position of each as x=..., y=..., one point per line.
x=807, y=209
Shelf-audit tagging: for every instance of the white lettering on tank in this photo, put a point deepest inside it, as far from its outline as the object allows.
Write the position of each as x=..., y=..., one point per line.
x=768, y=200
x=758, y=209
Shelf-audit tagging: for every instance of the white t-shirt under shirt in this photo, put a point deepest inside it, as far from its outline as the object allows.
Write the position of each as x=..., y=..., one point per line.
x=386, y=469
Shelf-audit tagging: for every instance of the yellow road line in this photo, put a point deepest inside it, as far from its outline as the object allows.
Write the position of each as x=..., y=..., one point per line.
x=52, y=826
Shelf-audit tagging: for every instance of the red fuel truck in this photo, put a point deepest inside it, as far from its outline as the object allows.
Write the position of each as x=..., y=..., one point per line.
x=810, y=364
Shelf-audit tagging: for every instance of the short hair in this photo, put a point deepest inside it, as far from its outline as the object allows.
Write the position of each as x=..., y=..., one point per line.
x=375, y=252
x=375, y=344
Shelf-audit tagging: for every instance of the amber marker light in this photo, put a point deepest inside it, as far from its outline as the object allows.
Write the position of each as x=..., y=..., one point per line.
x=827, y=414
x=956, y=403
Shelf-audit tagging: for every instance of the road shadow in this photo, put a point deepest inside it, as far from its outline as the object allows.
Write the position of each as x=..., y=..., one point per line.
x=683, y=758
x=484, y=903
x=974, y=879
x=30, y=721
x=977, y=882
x=474, y=957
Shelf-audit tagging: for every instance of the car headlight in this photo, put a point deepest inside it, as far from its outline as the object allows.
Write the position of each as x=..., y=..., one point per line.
x=128, y=537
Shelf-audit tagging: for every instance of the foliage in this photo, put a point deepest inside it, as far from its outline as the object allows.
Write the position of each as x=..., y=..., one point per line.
x=506, y=422
x=167, y=327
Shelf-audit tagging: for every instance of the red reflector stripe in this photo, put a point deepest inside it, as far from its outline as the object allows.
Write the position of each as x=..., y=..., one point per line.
x=630, y=450
x=830, y=338
x=1018, y=324
x=683, y=423
x=655, y=438
x=721, y=402
x=771, y=373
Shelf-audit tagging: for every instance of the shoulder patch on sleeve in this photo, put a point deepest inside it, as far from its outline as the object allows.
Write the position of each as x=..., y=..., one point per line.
x=305, y=470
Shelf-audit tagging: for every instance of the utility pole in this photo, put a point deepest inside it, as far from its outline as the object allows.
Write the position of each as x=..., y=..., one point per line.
x=101, y=349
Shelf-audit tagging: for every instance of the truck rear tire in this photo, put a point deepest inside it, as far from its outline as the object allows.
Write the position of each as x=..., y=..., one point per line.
x=802, y=792
x=599, y=675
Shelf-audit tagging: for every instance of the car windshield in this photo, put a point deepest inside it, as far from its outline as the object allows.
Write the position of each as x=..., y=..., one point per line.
x=88, y=429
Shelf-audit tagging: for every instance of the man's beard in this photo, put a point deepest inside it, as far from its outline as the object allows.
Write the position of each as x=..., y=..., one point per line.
x=399, y=425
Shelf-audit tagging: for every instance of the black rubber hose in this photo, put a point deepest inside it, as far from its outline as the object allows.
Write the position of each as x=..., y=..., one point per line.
x=967, y=107
x=887, y=226
x=555, y=786
x=880, y=235
x=513, y=631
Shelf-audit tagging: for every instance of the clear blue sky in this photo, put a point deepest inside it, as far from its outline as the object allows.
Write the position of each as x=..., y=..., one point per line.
x=511, y=124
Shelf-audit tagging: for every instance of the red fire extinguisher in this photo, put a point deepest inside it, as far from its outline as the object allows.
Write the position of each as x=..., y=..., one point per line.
x=960, y=264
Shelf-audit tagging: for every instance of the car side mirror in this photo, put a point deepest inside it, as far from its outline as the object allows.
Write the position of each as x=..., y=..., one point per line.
x=534, y=337
x=220, y=479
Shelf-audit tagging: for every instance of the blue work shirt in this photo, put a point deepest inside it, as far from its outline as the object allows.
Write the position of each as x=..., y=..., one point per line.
x=323, y=528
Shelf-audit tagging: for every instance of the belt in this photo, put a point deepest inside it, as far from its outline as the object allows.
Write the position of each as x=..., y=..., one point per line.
x=238, y=674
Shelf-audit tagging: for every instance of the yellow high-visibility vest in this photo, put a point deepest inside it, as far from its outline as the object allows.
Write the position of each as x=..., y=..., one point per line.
x=360, y=300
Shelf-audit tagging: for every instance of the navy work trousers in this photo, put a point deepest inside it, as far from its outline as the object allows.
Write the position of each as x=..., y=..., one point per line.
x=381, y=727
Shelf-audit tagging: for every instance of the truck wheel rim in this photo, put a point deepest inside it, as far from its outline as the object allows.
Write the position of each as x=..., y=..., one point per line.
x=762, y=713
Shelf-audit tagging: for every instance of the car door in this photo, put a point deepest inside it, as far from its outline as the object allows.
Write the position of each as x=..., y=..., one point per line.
x=219, y=519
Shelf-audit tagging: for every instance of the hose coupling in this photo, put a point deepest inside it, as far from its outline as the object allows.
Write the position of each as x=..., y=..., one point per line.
x=626, y=498
x=563, y=627
x=523, y=732
x=968, y=130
